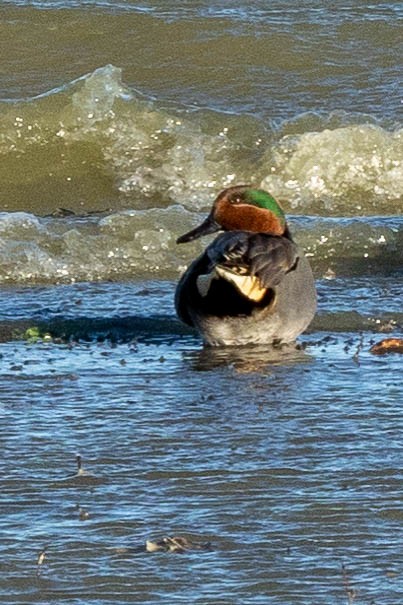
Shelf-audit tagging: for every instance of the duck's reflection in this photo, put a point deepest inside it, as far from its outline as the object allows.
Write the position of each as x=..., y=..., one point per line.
x=247, y=359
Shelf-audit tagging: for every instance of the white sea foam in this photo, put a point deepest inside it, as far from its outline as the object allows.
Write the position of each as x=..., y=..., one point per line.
x=142, y=243
x=356, y=168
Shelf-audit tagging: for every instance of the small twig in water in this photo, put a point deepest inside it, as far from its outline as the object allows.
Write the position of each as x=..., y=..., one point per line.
x=360, y=346
x=350, y=592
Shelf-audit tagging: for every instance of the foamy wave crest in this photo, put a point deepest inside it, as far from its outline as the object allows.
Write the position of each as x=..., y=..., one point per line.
x=95, y=144
x=142, y=243
x=154, y=152
x=117, y=246
x=353, y=170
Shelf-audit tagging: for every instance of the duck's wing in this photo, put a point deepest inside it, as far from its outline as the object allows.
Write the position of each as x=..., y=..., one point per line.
x=236, y=272
x=186, y=293
x=260, y=255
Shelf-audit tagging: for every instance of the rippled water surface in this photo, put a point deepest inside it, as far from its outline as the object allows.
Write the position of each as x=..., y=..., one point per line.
x=287, y=467
x=288, y=462
x=119, y=123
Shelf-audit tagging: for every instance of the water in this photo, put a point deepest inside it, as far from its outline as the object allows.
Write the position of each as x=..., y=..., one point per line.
x=119, y=122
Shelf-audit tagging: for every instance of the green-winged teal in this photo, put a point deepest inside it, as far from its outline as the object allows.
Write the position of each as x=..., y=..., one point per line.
x=252, y=284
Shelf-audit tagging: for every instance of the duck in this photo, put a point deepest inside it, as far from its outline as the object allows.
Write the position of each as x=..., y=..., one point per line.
x=252, y=285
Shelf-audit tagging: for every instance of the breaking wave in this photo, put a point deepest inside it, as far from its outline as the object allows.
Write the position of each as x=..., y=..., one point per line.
x=99, y=180
x=95, y=144
x=140, y=243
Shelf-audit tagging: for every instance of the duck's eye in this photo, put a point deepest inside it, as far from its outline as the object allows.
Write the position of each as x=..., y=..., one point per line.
x=236, y=200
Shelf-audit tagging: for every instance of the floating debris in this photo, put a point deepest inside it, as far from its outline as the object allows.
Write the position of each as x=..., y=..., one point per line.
x=40, y=560
x=178, y=544
x=351, y=593
x=80, y=470
x=81, y=477
x=61, y=213
x=329, y=274
x=360, y=346
x=33, y=335
x=83, y=514
x=387, y=345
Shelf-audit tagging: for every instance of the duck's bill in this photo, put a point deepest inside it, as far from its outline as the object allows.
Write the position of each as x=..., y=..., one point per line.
x=207, y=226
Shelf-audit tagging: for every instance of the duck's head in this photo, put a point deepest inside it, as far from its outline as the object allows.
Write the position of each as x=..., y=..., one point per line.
x=241, y=208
